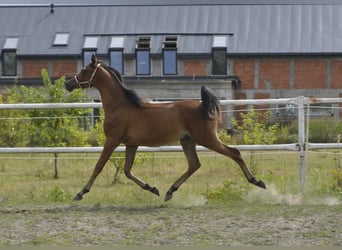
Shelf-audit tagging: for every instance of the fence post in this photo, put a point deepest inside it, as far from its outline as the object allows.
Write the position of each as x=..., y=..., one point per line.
x=301, y=141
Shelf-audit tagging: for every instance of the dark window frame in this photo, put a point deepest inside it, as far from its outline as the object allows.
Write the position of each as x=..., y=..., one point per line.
x=217, y=67
x=143, y=45
x=166, y=69
x=170, y=45
x=137, y=68
x=122, y=67
x=12, y=72
x=86, y=51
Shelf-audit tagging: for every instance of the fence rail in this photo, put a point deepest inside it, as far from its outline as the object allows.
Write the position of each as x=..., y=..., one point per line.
x=302, y=103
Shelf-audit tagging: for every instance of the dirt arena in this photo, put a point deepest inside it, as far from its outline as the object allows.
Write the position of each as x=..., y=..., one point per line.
x=176, y=225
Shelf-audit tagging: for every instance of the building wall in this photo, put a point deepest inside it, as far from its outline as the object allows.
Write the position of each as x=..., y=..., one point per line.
x=56, y=68
x=260, y=77
x=288, y=77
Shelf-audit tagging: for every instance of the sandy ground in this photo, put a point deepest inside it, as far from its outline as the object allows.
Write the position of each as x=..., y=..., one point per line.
x=202, y=225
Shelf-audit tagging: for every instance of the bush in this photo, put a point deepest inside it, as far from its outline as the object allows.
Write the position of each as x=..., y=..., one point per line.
x=42, y=127
x=255, y=128
x=324, y=130
x=229, y=191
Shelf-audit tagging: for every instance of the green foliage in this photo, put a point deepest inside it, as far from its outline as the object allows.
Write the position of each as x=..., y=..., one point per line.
x=287, y=135
x=255, y=128
x=230, y=191
x=42, y=127
x=57, y=194
x=336, y=183
x=324, y=130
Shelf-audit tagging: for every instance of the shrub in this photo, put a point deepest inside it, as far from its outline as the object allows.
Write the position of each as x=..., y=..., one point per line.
x=255, y=128
x=42, y=127
x=230, y=190
x=324, y=130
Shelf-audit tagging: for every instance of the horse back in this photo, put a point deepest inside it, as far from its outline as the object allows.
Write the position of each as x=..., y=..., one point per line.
x=162, y=123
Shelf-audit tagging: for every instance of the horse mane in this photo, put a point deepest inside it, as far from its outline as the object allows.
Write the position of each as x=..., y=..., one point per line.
x=129, y=93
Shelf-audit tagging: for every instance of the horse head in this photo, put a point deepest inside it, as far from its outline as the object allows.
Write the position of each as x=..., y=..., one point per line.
x=84, y=79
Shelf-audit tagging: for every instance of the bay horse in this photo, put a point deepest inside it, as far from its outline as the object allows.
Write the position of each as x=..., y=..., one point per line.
x=133, y=122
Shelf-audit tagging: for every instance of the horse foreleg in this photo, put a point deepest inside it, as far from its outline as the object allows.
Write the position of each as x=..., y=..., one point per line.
x=189, y=148
x=129, y=159
x=107, y=151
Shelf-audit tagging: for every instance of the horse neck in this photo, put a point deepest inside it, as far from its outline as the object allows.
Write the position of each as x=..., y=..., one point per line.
x=111, y=93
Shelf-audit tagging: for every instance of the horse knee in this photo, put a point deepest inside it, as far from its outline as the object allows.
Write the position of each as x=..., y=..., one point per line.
x=194, y=167
x=235, y=151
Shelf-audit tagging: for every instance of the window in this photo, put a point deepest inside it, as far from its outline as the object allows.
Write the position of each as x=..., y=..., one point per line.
x=117, y=42
x=170, y=56
x=116, y=60
x=87, y=54
x=219, y=55
x=89, y=49
x=9, y=63
x=61, y=39
x=11, y=43
x=219, y=42
x=9, y=57
x=143, y=56
x=90, y=42
x=143, y=62
x=144, y=43
x=116, y=53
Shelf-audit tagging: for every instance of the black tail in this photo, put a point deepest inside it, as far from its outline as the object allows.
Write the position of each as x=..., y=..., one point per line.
x=210, y=104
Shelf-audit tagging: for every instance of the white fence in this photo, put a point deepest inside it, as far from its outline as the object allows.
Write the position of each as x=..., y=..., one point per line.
x=302, y=103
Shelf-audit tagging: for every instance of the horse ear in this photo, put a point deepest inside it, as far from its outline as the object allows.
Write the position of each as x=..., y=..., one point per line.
x=94, y=60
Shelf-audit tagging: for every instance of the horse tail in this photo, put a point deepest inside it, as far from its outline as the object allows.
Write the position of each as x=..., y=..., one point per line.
x=210, y=104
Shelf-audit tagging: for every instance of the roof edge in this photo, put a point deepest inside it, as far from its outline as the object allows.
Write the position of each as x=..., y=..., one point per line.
x=89, y=3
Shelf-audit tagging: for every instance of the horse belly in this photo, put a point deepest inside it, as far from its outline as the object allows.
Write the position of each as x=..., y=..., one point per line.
x=155, y=136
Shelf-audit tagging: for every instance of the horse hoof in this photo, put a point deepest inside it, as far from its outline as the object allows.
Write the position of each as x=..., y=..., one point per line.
x=155, y=191
x=78, y=197
x=168, y=196
x=261, y=184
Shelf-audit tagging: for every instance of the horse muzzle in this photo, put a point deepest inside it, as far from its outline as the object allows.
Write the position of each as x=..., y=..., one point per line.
x=71, y=84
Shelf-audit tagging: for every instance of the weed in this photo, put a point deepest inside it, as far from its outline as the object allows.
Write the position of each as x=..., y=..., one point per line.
x=230, y=190
x=57, y=194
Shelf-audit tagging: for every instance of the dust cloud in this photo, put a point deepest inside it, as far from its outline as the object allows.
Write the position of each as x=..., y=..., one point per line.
x=272, y=196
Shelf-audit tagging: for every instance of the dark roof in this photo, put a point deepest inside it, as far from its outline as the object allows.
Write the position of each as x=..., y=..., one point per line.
x=262, y=28
x=164, y=2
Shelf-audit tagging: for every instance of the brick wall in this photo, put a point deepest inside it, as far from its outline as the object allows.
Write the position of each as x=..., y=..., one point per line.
x=336, y=74
x=32, y=69
x=310, y=74
x=274, y=74
x=245, y=70
x=67, y=68
x=195, y=67
x=288, y=77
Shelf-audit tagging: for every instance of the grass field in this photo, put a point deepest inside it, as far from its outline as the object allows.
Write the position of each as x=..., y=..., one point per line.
x=216, y=206
x=28, y=179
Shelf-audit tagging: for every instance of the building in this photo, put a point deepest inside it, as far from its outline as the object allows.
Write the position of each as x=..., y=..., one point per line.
x=168, y=49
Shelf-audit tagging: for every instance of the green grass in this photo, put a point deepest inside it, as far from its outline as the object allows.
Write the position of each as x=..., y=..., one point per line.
x=28, y=179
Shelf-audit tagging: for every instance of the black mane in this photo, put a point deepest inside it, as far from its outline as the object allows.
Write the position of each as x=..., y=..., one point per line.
x=129, y=93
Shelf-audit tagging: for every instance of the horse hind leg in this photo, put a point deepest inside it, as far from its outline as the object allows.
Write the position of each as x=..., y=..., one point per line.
x=189, y=148
x=129, y=159
x=234, y=154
